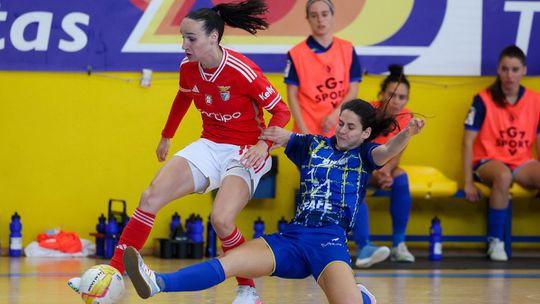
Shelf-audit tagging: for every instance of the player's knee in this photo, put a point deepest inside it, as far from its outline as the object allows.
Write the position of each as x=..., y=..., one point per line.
x=503, y=180
x=222, y=223
x=150, y=201
x=398, y=172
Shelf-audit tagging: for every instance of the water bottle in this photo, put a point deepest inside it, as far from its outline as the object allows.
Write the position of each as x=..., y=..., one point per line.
x=111, y=237
x=282, y=223
x=189, y=226
x=435, y=240
x=211, y=240
x=197, y=229
x=101, y=229
x=258, y=228
x=175, y=221
x=15, y=236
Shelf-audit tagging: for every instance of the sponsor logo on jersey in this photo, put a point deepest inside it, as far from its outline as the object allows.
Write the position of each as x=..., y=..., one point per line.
x=470, y=117
x=195, y=89
x=208, y=99
x=267, y=93
x=224, y=92
x=221, y=117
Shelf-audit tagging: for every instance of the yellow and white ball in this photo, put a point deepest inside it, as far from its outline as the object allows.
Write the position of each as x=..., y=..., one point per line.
x=101, y=284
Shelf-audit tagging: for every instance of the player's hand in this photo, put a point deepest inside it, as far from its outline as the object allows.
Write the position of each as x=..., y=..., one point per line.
x=255, y=156
x=278, y=135
x=382, y=178
x=163, y=149
x=415, y=126
x=472, y=193
x=329, y=122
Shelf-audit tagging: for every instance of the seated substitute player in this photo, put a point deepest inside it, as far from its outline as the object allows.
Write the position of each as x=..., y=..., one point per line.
x=500, y=129
x=333, y=175
x=393, y=98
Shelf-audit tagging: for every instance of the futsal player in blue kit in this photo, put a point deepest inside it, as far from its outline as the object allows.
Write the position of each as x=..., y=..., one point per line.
x=333, y=175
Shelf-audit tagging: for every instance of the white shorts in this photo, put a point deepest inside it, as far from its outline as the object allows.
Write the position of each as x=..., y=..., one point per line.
x=211, y=162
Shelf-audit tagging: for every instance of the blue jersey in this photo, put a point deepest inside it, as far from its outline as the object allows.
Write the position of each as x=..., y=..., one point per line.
x=332, y=182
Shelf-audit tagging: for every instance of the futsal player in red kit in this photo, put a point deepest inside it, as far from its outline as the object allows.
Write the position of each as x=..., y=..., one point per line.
x=230, y=92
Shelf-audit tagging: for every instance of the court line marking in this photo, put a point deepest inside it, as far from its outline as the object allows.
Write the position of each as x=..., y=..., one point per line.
x=450, y=275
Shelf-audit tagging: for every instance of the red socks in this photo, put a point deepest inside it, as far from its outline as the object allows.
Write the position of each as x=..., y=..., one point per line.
x=135, y=234
x=234, y=240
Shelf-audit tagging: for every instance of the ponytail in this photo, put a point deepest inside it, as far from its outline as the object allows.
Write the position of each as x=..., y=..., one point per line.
x=371, y=117
x=246, y=15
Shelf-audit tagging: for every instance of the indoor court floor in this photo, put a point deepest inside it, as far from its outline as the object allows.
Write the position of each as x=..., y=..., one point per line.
x=43, y=280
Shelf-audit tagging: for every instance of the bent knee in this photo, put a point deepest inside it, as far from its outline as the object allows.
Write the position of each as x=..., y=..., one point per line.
x=397, y=172
x=151, y=201
x=223, y=224
x=503, y=180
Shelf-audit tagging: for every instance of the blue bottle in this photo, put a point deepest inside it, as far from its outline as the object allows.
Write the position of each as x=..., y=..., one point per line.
x=175, y=221
x=258, y=228
x=197, y=232
x=15, y=236
x=189, y=226
x=111, y=237
x=435, y=240
x=211, y=240
x=197, y=229
x=101, y=229
x=282, y=223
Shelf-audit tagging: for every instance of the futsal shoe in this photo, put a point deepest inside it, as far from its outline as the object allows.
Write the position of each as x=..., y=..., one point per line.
x=74, y=284
x=246, y=295
x=367, y=296
x=401, y=254
x=496, y=250
x=371, y=254
x=142, y=277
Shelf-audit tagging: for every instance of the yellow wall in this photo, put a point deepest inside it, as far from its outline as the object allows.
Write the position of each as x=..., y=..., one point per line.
x=72, y=141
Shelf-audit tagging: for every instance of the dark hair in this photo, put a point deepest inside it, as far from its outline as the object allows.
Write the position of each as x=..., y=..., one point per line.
x=371, y=117
x=244, y=15
x=396, y=75
x=495, y=89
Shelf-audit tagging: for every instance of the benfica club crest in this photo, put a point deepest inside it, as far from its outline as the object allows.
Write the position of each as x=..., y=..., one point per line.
x=224, y=92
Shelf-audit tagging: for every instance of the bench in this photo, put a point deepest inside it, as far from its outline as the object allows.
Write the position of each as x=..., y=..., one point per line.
x=428, y=183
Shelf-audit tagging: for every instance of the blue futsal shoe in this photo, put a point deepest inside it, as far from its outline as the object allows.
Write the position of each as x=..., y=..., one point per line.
x=367, y=296
x=371, y=254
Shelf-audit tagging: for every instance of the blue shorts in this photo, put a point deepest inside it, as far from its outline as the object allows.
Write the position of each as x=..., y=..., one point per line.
x=482, y=162
x=301, y=251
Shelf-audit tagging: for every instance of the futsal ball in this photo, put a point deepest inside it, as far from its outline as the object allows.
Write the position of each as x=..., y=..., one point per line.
x=101, y=284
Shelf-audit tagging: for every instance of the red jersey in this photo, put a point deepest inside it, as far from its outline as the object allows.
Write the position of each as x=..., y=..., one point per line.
x=230, y=98
x=402, y=118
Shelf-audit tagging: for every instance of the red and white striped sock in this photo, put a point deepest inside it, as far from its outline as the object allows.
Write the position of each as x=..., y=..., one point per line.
x=235, y=239
x=135, y=234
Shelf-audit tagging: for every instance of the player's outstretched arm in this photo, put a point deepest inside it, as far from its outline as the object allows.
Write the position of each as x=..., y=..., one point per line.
x=383, y=153
x=278, y=135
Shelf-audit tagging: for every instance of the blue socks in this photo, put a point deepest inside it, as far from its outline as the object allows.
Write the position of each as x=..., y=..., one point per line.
x=496, y=221
x=400, y=208
x=360, y=231
x=196, y=277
